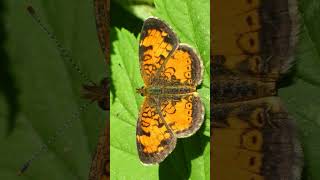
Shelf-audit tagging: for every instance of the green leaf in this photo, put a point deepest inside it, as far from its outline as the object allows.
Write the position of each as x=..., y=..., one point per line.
x=49, y=90
x=140, y=8
x=302, y=96
x=191, y=157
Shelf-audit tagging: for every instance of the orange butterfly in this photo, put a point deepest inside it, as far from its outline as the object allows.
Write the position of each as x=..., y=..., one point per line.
x=171, y=108
x=253, y=136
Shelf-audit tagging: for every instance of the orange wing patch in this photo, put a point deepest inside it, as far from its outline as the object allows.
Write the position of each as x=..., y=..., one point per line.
x=177, y=69
x=172, y=108
x=184, y=67
x=154, y=139
x=183, y=114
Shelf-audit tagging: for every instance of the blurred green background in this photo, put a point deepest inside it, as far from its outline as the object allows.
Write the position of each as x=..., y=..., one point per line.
x=39, y=91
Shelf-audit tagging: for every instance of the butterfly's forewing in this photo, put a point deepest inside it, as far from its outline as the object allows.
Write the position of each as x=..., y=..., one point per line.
x=252, y=44
x=157, y=43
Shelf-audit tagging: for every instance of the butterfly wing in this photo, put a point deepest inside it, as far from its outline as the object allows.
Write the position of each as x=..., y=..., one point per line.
x=255, y=140
x=183, y=68
x=184, y=114
x=254, y=40
x=253, y=37
x=155, y=140
x=157, y=43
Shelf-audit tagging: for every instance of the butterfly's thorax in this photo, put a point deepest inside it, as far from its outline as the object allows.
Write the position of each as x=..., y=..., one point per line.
x=234, y=89
x=167, y=90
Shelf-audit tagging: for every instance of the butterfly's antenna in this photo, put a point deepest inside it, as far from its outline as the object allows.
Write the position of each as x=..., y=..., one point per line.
x=60, y=132
x=62, y=51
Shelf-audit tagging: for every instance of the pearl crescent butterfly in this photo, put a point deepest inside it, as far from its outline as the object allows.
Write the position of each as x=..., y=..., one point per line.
x=172, y=108
x=100, y=166
x=253, y=136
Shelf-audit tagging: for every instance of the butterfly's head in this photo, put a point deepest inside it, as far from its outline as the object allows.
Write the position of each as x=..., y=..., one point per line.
x=142, y=91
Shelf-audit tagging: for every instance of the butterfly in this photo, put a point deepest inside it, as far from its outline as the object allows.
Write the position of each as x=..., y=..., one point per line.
x=100, y=166
x=253, y=136
x=172, y=108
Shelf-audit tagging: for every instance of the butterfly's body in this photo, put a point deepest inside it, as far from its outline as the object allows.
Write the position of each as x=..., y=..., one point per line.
x=235, y=89
x=163, y=91
x=253, y=136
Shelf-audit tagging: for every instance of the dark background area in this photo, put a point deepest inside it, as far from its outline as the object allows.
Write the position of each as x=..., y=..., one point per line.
x=40, y=91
